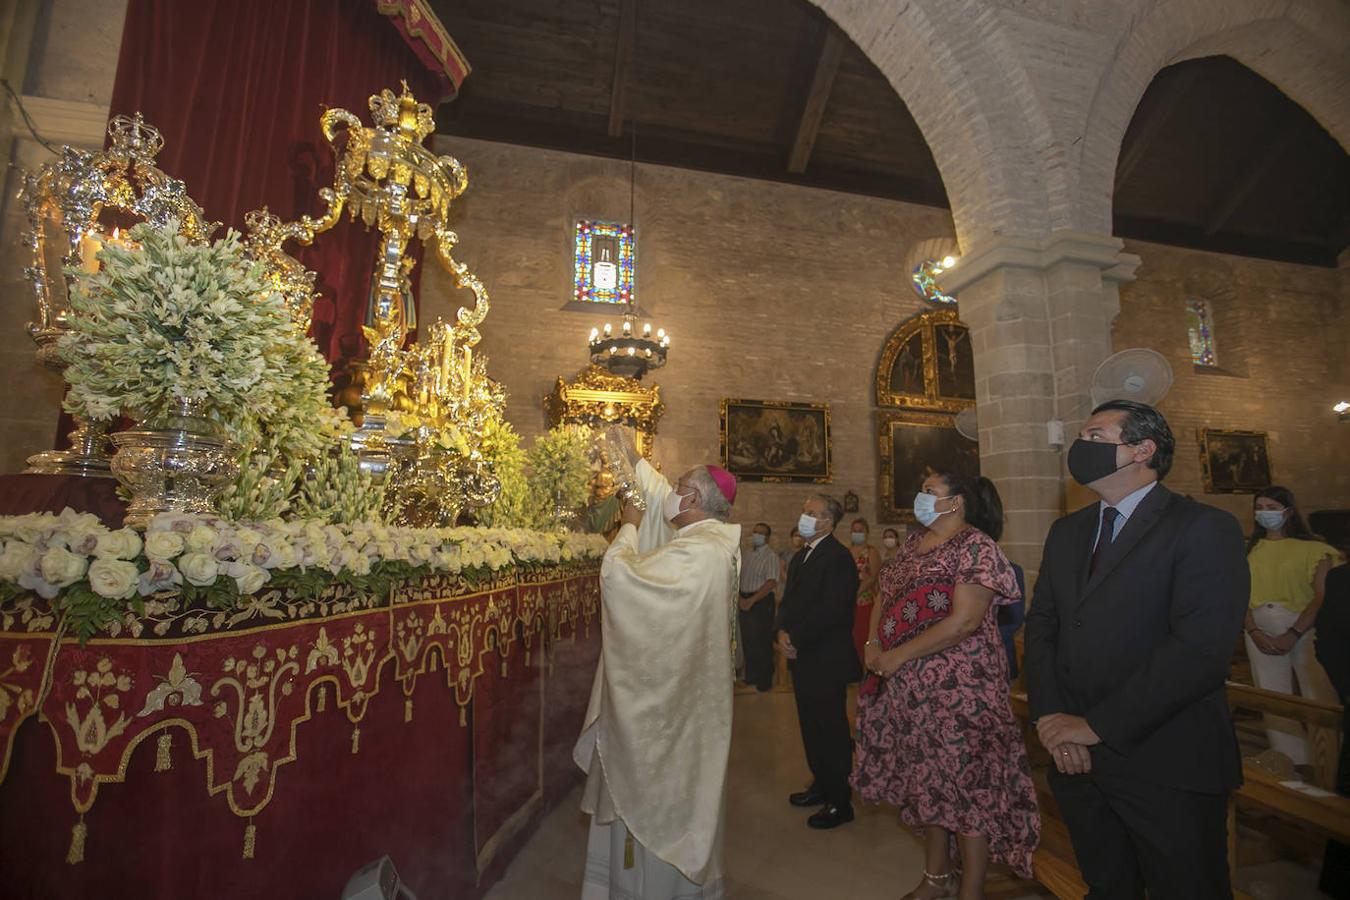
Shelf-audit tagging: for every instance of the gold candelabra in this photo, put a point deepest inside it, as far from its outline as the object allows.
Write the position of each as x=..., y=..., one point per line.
x=74, y=205
x=436, y=393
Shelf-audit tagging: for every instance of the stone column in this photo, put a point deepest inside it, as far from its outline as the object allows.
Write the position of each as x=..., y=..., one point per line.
x=1040, y=316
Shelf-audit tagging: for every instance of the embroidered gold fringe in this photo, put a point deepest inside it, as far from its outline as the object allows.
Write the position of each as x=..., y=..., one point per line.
x=503, y=668
x=250, y=839
x=323, y=698
x=78, y=833
x=163, y=760
x=463, y=716
x=407, y=710
x=527, y=657
x=356, y=739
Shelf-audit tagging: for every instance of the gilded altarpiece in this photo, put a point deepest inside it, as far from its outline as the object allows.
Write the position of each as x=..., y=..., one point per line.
x=924, y=379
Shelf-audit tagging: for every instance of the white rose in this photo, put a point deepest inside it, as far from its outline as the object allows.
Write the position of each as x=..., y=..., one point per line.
x=248, y=537
x=286, y=557
x=18, y=560
x=199, y=568
x=60, y=567
x=202, y=539
x=248, y=577
x=121, y=544
x=114, y=578
x=31, y=528
x=261, y=554
x=176, y=522
x=361, y=564
x=164, y=544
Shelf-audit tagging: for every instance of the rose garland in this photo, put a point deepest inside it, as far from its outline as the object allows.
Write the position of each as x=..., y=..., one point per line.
x=95, y=574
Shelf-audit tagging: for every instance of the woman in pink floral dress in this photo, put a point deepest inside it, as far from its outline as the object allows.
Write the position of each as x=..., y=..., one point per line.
x=936, y=734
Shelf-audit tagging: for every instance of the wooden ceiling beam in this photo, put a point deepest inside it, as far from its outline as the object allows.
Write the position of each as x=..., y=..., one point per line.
x=1152, y=125
x=1258, y=165
x=813, y=110
x=623, y=65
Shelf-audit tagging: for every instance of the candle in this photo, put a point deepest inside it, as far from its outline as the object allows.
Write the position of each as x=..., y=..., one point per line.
x=607, y=329
x=89, y=247
x=647, y=330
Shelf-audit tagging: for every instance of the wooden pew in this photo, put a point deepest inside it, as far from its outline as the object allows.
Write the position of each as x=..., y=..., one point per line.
x=1054, y=864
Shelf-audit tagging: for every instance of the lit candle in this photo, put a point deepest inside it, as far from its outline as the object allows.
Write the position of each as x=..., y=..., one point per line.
x=89, y=247
x=608, y=329
x=647, y=330
x=595, y=333
x=627, y=327
x=660, y=332
x=632, y=351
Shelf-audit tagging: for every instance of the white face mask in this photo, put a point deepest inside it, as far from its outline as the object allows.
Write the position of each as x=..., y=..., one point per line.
x=889, y=542
x=670, y=507
x=758, y=540
x=925, y=508
x=1270, y=519
x=859, y=538
x=806, y=526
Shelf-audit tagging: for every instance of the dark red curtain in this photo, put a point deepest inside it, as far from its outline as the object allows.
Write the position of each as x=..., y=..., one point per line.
x=237, y=88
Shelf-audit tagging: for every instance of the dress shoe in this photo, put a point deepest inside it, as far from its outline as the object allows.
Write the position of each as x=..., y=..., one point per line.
x=808, y=797
x=831, y=816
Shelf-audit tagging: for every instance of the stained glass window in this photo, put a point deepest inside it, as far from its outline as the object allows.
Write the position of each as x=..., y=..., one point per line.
x=1200, y=333
x=605, y=269
x=925, y=283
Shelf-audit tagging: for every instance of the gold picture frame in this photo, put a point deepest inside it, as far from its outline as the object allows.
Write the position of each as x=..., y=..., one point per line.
x=927, y=363
x=1234, y=462
x=776, y=440
x=910, y=443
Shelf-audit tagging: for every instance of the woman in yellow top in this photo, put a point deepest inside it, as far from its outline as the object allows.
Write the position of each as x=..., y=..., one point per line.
x=1289, y=571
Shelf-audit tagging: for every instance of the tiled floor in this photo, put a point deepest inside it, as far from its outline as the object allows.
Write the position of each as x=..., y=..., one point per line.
x=770, y=853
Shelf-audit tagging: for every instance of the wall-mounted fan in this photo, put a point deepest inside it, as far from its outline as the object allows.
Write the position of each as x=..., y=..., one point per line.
x=1137, y=374
x=967, y=424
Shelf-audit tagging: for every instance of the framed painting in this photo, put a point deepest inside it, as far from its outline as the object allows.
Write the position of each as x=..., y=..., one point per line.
x=927, y=363
x=914, y=444
x=1234, y=462
x=770, y=440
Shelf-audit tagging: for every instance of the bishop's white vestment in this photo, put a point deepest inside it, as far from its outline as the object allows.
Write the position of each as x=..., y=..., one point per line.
x=658, y=729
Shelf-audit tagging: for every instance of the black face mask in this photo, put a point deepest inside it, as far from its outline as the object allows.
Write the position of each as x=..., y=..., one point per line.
x=1091, y=461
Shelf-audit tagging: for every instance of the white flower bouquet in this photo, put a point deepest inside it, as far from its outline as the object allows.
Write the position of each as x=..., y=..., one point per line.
x=166, y=321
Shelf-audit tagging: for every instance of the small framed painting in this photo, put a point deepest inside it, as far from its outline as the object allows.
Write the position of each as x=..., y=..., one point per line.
x=1234, y=462
x=912, y=445
x=772, y=440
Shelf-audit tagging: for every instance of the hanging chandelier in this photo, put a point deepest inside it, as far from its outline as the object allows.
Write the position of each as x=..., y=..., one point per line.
x=630, y=353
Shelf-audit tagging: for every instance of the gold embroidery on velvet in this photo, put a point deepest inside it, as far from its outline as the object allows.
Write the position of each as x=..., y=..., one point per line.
x=323, y=700
x=356, y=739
x=178, y=688
x=163, y=760
x=407, y=709
x=250, y=839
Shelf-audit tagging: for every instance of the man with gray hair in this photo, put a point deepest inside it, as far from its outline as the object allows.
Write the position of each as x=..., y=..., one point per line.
x=815, y=633
x=657, y=735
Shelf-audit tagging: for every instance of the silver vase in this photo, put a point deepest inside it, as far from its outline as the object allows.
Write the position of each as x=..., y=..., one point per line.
x=178, y=463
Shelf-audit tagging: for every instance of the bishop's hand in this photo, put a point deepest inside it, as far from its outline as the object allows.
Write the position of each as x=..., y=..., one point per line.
x=629, y=514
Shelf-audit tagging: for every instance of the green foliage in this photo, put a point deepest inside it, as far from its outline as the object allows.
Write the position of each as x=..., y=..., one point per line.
x=87, y=613
x=500, y=447
x=560, y=473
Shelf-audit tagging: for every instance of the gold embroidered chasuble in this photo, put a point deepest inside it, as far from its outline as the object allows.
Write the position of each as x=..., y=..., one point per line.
x=658, y=730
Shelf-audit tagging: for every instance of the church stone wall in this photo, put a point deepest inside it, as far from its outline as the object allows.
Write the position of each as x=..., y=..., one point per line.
x=770, y=291
x=1283, y=343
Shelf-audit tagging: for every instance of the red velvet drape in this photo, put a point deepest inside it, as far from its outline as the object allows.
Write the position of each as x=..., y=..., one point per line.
x=237, y=87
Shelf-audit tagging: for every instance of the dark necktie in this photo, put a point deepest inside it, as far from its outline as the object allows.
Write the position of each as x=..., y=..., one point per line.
x=1105, y=536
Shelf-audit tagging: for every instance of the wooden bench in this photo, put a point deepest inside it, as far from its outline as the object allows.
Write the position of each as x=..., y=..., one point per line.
x=1055, y=866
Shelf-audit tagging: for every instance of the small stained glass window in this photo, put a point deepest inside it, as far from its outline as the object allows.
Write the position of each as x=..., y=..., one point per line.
x=1200, y=333
x=605, y=265
x=925, y=283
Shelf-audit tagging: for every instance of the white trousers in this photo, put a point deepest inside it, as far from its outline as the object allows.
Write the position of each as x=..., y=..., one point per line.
x=649, y=878
x=1278, y=673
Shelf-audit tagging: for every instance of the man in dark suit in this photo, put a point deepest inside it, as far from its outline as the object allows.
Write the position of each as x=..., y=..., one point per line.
x=1137, y=608
x=815, y=633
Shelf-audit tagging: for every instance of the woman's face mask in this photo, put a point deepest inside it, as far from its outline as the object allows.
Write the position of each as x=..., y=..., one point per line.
x=1271, y=519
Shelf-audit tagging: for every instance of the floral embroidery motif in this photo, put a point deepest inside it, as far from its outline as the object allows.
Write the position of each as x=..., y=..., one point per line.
x=256, y=682
x=100, y=688
x=910, y=611
x=14, y=695
x=938, y=601
x=178, y=688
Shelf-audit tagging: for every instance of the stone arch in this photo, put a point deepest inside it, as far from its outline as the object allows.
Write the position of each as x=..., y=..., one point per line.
x=1299, y=48
x=965, y=84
